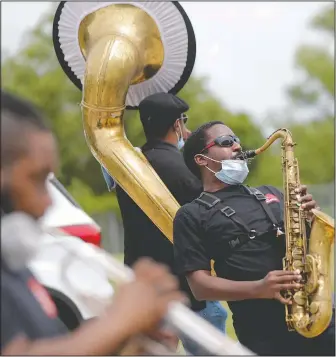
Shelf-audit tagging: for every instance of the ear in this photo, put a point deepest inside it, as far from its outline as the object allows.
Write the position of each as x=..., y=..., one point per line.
x=176, y=125
x=201, y=160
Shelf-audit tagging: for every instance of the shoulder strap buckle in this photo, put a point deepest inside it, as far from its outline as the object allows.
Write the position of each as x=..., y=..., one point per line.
x=228, y=211
x=256, y=193
x=259, y=195
x=207, y=199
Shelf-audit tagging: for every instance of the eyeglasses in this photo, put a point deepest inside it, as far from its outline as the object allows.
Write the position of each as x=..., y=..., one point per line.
x=183, y=117
x=225, y=141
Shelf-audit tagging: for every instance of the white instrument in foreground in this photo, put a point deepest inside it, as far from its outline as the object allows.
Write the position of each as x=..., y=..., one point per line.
x=179, y=318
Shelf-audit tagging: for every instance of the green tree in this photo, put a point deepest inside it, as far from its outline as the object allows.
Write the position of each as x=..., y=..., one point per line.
x=314, y=94
x=315, y=64
x=35, y=74
x=309, y=113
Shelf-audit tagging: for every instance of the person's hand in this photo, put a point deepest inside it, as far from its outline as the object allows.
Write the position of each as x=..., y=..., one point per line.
x=166, y=337
x=142, y=304
x=276, y=281
x=305, y=198
x=16, y=347
x=166, y=341
x=307, y=201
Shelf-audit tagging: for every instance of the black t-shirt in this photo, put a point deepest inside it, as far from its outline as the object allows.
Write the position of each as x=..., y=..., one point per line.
x=141, y=236
x=26, y=308
x=201, y=234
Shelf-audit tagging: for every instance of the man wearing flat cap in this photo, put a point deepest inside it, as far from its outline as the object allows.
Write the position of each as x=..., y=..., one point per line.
x=164, y=121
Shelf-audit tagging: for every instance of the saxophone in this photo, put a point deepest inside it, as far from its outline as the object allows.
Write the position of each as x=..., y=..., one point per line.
x=311, y=310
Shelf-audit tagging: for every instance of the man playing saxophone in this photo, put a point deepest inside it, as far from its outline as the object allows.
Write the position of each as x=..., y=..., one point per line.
x=164, y=120
x=242, y=230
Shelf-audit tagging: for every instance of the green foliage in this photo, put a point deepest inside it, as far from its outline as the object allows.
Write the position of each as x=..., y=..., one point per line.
x=325, y=21
x=34, y=73
x=315, y=93
x=315, y=63
x=315, y=151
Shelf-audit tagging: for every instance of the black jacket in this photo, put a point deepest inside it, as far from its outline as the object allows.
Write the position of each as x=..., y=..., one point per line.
x=141, y=236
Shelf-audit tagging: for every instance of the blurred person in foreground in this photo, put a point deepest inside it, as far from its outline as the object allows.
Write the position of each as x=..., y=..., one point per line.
x=242, y=229
x=29, y=322
x=163, y=116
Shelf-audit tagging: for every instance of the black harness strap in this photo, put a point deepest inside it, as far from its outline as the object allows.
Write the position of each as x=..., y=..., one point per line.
x=209, y=201
x=262, y=199
x=231, y=213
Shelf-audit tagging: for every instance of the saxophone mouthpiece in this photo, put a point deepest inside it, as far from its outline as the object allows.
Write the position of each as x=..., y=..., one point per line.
x=245, y=155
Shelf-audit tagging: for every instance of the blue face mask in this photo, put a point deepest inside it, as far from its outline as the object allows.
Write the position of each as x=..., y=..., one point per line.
x=233, y=172
x=180, y=142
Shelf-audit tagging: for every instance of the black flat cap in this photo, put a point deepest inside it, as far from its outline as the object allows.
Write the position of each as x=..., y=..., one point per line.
x=161, y=110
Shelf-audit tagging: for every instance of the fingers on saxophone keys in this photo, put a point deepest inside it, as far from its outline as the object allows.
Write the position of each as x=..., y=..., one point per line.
x=306, y=198
x=302, y=190
x=309, y=205
x=284, y=276
x=290, y=286
x=283, y=300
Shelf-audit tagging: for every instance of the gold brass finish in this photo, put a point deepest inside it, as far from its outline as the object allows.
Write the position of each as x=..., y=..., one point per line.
x=122, y=46
x=311, y=309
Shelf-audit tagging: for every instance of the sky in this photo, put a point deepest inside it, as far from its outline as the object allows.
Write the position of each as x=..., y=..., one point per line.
x=245, y=49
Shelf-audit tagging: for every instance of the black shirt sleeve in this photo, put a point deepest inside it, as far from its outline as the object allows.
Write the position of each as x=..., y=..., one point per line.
x=189, y=250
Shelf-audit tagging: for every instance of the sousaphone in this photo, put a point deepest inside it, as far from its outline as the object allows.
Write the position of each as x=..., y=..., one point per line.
x=117, y=54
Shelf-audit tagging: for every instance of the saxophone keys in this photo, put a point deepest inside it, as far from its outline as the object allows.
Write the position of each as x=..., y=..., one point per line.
x=300, y=298
x=297, y=252
x=298, y=265
x=303, y=322
x=314, y=307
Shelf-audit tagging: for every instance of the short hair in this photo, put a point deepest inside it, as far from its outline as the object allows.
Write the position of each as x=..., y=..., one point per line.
x=195, y=144
x=159, y=112
x=17, y=118
x=157, y=131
